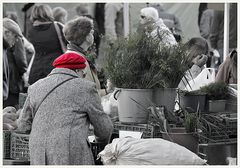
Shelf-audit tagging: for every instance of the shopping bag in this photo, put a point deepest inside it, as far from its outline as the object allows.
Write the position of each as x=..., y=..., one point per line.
x=204, y=78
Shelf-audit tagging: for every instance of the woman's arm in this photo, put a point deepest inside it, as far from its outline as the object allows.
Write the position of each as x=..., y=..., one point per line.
x=101, y=122
x=25, y=119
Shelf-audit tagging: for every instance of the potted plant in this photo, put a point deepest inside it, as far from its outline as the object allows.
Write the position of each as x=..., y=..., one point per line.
x=193, y=100
x=187, y=134
x=217, y=94
x=127, y=68
x=171, y=63
x=136, y=65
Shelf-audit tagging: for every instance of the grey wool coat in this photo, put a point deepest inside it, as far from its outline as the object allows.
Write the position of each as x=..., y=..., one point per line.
x=59, y=129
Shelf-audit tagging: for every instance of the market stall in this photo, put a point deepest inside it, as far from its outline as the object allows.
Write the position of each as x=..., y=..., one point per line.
x=197, y=122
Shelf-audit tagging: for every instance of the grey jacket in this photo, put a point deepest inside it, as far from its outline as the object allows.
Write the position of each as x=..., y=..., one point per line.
x=113, y=21
x=216, y=31
x=205, y=23
x=59, y=129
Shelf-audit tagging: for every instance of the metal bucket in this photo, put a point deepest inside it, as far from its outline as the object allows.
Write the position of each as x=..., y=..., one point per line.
x=217, y=153
x=165, y=97
x=179, y=136
x=133, y=104
x=192, y=101
x=217, y=105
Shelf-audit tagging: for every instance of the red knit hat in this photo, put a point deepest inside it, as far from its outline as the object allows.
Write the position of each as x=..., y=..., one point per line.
x=70, y=60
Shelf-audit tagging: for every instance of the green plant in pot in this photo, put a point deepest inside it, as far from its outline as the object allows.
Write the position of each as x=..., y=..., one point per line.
x=136, y=65
x=187, y=135
x=217, y=94
x=171, y=64
x=127, y=67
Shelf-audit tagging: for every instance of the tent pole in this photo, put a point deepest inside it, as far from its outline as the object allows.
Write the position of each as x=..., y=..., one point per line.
x=126, y=19
x=226, y=31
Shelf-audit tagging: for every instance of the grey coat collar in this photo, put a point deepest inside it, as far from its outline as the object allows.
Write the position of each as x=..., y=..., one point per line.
x=64, y=71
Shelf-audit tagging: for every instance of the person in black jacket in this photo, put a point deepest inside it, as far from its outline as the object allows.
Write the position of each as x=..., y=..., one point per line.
x=16, y=59
x=44, y=37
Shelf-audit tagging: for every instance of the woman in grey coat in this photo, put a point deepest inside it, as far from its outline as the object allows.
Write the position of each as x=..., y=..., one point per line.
x=60, y=124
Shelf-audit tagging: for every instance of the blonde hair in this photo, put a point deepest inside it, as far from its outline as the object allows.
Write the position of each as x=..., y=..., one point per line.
x=41, y=13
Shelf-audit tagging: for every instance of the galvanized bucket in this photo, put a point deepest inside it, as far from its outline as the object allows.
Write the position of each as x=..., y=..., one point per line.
x=133, y=104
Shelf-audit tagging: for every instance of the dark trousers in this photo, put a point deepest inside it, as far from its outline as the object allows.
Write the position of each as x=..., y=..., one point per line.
x=12, y=100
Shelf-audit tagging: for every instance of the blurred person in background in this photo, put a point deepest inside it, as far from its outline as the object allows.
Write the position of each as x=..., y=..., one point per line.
x=47, y=39
x=93, y=51
x=216, y=36
x=113, y=28
x=60, y=15
x=204, y=28
x=82, y=10
x=202, y=7
x=154, y=27
x=113, y=21
x=16, y=61
x=170, y=20
x=227, y=72
x=198, y=50
x=99, y=16
x=217, y=31
x=59, y=110
x=79, y=33
x=29, y=49
x=205, y=23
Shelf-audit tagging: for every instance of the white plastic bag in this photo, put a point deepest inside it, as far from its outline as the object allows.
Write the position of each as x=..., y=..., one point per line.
x=204, y=78
x=110, y=106
x=153, y=151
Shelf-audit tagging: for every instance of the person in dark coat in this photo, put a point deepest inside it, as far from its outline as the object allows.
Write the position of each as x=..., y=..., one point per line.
x=99, y=16
x=45, y=40
x=60, y=125
x=17, y=64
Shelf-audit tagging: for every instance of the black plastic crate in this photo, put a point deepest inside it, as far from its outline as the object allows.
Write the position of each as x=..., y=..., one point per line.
x=96, y=148
x=19, y=147
x=6, y=144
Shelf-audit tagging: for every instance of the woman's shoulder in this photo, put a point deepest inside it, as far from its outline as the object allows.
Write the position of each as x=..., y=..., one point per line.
x=84, y=83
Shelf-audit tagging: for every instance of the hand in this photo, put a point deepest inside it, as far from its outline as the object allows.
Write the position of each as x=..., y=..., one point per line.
x=10, y=121
x=7, y=126
x=200, y=60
